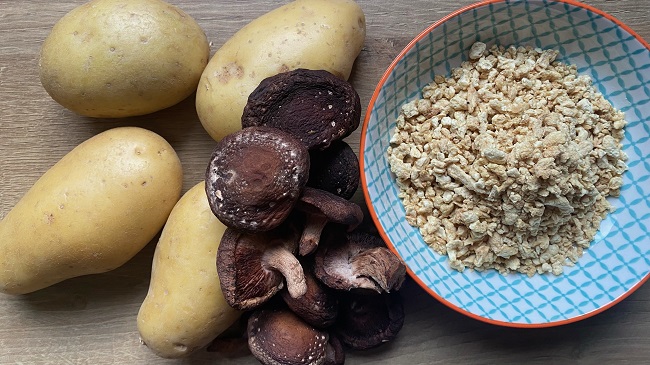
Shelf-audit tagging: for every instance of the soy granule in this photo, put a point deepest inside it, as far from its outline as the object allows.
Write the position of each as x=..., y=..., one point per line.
x=507, y=164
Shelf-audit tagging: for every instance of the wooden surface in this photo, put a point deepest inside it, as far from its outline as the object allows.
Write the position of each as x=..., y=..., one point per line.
x=91, y=320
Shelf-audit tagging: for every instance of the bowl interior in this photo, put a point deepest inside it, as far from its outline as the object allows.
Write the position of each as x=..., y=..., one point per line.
x=618, y=61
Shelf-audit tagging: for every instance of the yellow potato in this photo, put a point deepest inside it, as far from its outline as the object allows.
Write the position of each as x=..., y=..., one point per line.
x=184, y=309
x=313, y=34
x=119, y=58
x=91, y=212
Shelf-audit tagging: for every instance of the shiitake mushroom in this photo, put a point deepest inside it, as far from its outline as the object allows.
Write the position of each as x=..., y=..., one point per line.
x=314, y=106
x=335, y=169
x=255, y=177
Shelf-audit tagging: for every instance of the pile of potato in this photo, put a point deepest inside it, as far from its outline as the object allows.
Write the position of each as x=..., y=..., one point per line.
x=106, y=199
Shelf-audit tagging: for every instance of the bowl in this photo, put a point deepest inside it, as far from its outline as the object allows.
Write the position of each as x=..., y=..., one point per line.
x=618, y=259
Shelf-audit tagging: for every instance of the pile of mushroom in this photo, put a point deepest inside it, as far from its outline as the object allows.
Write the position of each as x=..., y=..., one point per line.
x=292, y=254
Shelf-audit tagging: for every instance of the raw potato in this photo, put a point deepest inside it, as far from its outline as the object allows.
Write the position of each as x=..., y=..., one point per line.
x=91, y=212
x=184, y=309
x=312, y=34
x=119, y=58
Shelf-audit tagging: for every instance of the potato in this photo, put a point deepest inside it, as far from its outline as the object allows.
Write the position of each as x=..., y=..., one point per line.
x=119, y=58
x=91, y=212
x=313, y=34
x=184, y=309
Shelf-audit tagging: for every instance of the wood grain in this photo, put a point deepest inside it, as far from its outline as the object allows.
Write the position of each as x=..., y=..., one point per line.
x=91, y=320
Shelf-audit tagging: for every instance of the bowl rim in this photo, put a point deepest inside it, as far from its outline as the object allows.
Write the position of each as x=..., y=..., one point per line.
x=368, y=200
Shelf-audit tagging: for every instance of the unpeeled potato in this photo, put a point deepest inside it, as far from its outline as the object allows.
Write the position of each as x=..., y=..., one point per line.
x=120, y=58
x=312, y=34
x=91, y=212
x=184, y=309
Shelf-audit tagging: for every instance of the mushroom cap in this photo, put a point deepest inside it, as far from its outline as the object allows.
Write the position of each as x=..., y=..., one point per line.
x=280, y=337
x=255, y=177
x=321, y=207
x=313, y=105
x=335, y=169
x=318, y=307
x=253, y=267
x=367, y=321
x=357, y=261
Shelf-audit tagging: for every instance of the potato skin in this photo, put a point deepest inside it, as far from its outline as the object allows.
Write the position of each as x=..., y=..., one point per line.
x=91, y=212
x=184, y=309
x=120, y=58
x=313, y=34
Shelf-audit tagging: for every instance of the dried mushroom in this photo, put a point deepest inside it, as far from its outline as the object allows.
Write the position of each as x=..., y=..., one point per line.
x=255, y=177
x=321, y=207
x=318, y=307
x=253, y=267
x=335, y=169
x=358, y=261
x=369, y=321
x=313, y=105
x=281, y=337
x=334, y=353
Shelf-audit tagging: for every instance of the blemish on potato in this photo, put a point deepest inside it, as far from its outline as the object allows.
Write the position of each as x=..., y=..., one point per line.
x=49, y=218
x=226, y=73
x=180, y=347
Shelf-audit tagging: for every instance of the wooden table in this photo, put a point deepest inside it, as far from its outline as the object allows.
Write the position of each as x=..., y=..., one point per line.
x=91, y=320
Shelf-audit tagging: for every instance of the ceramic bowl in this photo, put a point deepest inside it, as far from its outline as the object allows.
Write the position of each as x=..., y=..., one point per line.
x=618, y=61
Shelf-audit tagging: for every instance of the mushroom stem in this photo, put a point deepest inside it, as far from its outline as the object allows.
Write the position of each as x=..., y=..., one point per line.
x=280, y=259
x=311, y=233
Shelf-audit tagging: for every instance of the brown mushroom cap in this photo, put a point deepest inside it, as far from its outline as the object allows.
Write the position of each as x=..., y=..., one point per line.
x=321, y=207
x=369, y=321
x=281, y=337
x=253, y=267
x=335, y=169
x=313, y=105
x=255, y=177
x=358, y=261
x=318, y=307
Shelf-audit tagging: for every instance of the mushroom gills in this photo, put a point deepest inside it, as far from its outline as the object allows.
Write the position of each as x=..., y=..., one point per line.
x=357, y=261
x=253, y=267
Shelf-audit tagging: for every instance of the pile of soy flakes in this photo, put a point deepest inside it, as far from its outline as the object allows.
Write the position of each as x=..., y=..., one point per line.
x=508, y=163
